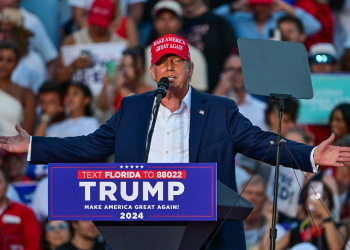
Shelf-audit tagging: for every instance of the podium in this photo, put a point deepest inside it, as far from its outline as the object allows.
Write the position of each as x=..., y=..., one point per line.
x=182, y=204
x=174, y=235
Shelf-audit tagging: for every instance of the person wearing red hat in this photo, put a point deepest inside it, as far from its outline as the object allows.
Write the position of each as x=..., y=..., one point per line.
x=131, y=8
x=169, y=44
x=167, y=19
x=100, y=16
x=191, y=127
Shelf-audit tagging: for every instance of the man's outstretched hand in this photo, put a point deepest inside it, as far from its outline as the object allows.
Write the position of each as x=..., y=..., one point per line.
x=16, y=144
x=328, y=155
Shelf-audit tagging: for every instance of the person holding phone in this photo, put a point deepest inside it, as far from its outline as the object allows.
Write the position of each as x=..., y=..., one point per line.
x=99, y=18
x=318, y=228
x=125, y=80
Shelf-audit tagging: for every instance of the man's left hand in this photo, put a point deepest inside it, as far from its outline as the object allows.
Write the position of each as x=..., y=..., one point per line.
x=332, y=156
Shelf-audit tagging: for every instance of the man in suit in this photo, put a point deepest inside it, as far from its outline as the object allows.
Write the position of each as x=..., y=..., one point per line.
x=191, y=127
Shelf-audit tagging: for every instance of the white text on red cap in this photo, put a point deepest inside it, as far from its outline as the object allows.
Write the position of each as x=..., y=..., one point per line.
x=169, y=39
x=99, y=10
x=172, y=46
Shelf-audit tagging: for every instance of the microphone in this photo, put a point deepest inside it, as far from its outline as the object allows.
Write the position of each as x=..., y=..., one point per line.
x=163, y=85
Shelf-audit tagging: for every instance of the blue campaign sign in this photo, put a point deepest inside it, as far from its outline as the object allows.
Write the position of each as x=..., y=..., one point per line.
x=132, y=192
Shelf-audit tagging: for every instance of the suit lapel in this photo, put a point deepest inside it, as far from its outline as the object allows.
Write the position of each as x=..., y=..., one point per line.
x=143, y=121
x=199, y=113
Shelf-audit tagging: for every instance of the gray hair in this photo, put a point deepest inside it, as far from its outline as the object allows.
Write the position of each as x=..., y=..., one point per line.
x=307, y=137
x=191, y=64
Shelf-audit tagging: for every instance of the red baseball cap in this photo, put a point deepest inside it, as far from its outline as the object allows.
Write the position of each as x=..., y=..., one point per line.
x=260, y=1
x=101, y=13
x=169, y=44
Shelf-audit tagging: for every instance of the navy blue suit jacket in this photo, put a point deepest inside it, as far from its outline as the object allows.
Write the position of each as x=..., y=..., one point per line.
x=215, y=136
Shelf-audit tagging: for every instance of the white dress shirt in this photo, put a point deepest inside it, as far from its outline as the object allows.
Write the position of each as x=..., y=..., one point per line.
x=170, y=141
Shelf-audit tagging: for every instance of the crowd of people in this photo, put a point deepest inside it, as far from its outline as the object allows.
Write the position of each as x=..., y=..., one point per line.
x=66, y=78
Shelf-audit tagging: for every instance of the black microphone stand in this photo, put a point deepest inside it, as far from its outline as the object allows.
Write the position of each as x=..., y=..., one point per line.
x=160, y=93
x=279, y=141
x=150, y=133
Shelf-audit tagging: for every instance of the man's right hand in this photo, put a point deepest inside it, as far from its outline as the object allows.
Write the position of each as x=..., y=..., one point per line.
x=16, y=144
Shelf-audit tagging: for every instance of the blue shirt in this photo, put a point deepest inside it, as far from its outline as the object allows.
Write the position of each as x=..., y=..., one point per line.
x=244, y=23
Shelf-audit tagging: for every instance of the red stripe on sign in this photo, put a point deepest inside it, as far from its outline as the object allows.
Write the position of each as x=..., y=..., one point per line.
x=132, y=174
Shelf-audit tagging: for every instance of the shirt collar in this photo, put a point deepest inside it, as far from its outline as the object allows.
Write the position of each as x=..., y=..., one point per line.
x=185, y=102
x=187, y=98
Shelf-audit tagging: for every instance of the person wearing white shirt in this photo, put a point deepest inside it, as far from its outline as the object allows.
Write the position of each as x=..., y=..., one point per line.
x=83, y=125
x=77, y=100
x=80, y=122
x=231, y=85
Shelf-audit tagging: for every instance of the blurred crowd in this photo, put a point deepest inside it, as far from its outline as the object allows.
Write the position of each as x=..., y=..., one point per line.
x=66, y=65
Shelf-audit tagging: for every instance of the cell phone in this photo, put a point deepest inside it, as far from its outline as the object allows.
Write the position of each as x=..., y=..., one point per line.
x=275, y=34
x=315, y=191
x=110, y=68
x=85, y=53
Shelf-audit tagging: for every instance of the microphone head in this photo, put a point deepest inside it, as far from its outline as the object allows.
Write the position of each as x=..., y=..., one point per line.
x=163, y=85
x=164, y=81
